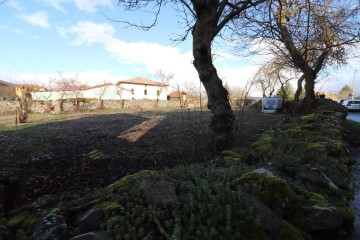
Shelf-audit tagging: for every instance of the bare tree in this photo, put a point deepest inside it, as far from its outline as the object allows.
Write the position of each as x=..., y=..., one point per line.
x=120, y=91
x=64, y=85
x=164, y=78
x=100, y=92
x=266, y=80
x=204, y=20
x=309, y=35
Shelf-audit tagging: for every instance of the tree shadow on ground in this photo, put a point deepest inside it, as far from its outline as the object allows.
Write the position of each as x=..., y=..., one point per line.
x=66, y=158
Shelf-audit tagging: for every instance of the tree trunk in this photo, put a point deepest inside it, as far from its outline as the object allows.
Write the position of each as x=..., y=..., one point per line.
x=25, y=105
x=23, y=111
x=298, y=93
x=101, y=104
x=222, y=118
x=61, y=105
x=309, y=89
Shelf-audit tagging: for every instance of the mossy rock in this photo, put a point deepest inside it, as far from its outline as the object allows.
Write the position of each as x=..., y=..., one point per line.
x=128, y=181
x=336, y=148
x=107, y=205
x=295, y=132
x=288, y=231
x=316, y=146
x=317, y=202
x=232, y=154
x=271, y=190
x=230, y=157
x=247, y=229
x=348, y=217
x=308, y=118
x=23, y=222
x=264, y=144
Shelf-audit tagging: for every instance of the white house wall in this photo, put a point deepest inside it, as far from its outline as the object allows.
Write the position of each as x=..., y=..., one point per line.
x=111, y=93
x=139, y=91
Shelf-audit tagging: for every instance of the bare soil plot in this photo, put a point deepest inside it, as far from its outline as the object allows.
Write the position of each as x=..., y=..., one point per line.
x=68, y=154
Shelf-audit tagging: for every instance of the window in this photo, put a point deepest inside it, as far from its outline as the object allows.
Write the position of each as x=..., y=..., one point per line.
x=145, y=92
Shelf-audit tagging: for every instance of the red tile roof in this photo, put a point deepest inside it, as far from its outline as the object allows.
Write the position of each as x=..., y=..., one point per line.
x=143, y=81
x=177, y=94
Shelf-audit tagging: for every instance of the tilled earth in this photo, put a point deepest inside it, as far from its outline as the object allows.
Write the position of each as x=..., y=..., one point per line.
x=69, y=157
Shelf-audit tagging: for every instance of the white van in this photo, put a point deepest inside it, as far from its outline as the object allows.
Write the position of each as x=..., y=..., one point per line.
x=352, y=104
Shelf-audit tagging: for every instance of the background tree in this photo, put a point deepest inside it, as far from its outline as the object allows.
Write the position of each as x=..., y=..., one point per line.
x=164, y=78
x=308, y=35
x=205, y=20
x=266, y=80
x=286, y=92
x=345, y=91
x=63, y=86
x=100, y=92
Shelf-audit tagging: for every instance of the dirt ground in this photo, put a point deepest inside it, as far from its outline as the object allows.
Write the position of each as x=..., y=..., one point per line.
x=69, y=154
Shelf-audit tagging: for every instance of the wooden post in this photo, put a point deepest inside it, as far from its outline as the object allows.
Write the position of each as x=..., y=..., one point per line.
x=16, y=117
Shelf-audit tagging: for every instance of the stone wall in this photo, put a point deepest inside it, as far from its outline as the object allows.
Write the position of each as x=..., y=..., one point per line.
x=8, y=107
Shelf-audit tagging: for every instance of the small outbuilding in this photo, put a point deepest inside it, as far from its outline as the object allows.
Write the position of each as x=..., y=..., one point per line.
x=177, y=96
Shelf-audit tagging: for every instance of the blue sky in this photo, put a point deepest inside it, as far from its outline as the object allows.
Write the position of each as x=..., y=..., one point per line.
x=42, y=38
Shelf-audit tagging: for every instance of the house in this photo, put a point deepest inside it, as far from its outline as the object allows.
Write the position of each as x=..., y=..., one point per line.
x=142, y=88
x=177, y=96
x=7, y=91
x=326, y=95
x=137, y=88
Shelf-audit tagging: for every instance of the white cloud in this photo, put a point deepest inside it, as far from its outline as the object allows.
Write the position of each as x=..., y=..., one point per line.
x=14, y=4
x=152, y=56
x=90, y=78
x=18, y=31
x=146, y=58
x=56, y=4
x=89, y=6
x=37, y=19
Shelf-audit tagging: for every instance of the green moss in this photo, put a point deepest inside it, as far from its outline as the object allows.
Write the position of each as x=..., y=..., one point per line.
x=317, y=146
x=247, y=229
x=127, y=181
x=325, y=112
x=271, y=190
x=287, y=231
x=232, y=154
x=317, y=202
x=107, y=205
x=230, y=157
x=55, y=211
x=264, y=143
x=336, y=149
x=309, y=118
x=335, y=131
x=348, y=217
x=295, y=132
x=23, y=222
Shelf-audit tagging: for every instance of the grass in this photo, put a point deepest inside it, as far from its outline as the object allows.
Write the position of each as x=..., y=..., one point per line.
x=7, y=122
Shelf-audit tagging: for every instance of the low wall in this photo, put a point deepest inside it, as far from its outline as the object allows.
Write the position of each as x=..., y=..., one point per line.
x=8, y=107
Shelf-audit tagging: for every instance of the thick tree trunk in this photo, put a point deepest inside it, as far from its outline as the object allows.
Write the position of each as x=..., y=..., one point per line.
x=25, y=105
x=222, y=118
x=298, y=93
x=309, y=90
